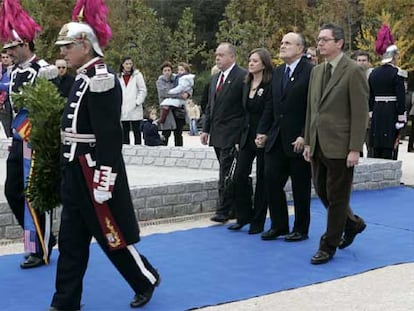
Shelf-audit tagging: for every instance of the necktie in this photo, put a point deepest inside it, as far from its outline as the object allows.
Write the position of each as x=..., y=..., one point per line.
x=220, y=84
x=327, y=75
x=286, y=77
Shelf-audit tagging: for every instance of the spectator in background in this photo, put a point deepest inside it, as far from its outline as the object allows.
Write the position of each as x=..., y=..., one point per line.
x=194, y=115
x=150, y=129
x=134, y=92
x=206, y=91
x=172, y=118
x=64, y=80
x=6, y=113
x=409, y=102
x=312, y=55
x=362, y=59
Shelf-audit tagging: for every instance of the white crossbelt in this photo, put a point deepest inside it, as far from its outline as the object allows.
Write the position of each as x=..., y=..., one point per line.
x=69, y=138
x=385, y=98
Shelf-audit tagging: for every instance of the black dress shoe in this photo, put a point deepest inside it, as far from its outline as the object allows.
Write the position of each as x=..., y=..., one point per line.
x=273, y=234
x=56, y=309
x=255, y=230
x=236, y=226
x=296, y=237
x=32, y=262
x=220, y=218
x=232, y=215
x=321, y=257
x=349, y=236
x=142, y=299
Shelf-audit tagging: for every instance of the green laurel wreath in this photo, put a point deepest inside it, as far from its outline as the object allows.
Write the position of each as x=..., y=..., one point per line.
x=45, y=106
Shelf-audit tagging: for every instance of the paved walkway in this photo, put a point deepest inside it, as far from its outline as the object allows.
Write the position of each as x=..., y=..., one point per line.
x=389, y=288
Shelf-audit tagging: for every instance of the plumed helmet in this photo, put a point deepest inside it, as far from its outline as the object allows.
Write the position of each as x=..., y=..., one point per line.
x=384, y=45
x=16, y=25
x=76, y=32
x=389, y=54
x=89, y=23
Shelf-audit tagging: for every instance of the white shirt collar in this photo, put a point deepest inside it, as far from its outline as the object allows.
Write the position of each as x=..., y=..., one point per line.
x=293, y=66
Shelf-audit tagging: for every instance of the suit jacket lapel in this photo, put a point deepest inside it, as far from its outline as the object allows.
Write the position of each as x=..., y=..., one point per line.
x=227, y=82
x=213, y=86
x=338, y=73
x=293, y=76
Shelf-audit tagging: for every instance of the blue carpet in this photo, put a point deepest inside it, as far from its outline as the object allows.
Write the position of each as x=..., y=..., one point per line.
x=209, y=266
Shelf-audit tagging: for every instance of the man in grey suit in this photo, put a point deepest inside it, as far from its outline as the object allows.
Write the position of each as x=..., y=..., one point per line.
x=334, y=135
x=224, y=119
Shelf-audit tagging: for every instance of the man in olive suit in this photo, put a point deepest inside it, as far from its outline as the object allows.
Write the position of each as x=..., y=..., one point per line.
x=334, y=135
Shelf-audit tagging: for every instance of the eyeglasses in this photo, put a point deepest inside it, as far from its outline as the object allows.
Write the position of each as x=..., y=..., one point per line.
x=324, y=40
x=59, y=67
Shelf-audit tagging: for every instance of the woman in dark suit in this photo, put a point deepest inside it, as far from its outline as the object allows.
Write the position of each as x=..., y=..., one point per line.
x=255, y=90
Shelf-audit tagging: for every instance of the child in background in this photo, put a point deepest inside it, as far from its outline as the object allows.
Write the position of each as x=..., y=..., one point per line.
x=194, y=115
x=150, y=129
x=185, y=83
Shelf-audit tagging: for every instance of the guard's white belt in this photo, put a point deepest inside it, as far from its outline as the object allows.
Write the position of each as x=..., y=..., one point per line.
x=66, y=138
x=385, y=98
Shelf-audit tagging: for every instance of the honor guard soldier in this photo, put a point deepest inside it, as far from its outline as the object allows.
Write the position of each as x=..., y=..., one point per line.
x=17, y=31
x=95, y=193
x=386, y=103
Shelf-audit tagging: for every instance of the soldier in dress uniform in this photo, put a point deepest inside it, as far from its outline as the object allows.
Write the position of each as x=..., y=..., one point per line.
x=95, y=193
x=387, y=105
x=17, y=31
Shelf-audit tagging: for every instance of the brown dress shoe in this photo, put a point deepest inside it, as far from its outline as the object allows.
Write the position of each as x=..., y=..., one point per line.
x=350, y=235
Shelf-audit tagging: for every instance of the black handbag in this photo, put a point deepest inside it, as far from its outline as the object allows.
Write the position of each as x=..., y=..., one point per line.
x=229, y=178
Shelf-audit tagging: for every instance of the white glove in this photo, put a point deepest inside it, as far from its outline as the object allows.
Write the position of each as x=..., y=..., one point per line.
x=370, y=114
x=101, y=196
x=399, y=125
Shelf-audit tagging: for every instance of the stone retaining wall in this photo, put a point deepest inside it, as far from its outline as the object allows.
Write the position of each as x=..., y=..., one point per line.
x=187, y=198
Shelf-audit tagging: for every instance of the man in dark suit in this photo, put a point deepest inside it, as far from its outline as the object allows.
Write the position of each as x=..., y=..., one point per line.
x=64, y=80
x=224, y=118
x=334, y=135
x=281, y=132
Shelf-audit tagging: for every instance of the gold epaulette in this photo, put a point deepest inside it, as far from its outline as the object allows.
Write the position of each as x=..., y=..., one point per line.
x=103, y=80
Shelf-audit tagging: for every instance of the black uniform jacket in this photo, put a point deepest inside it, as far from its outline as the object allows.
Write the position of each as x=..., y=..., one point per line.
x=94, y=107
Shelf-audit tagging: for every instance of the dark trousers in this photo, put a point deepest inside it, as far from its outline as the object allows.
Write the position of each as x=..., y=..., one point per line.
x=136, y=129
x=6, y=118
x=178, y=133
x=14, y=191
x=245, y=212
x=411, y=135
x=383, y=153
x=278, y=168
x=333, y=184
x=225, y=157
x=78, y=224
